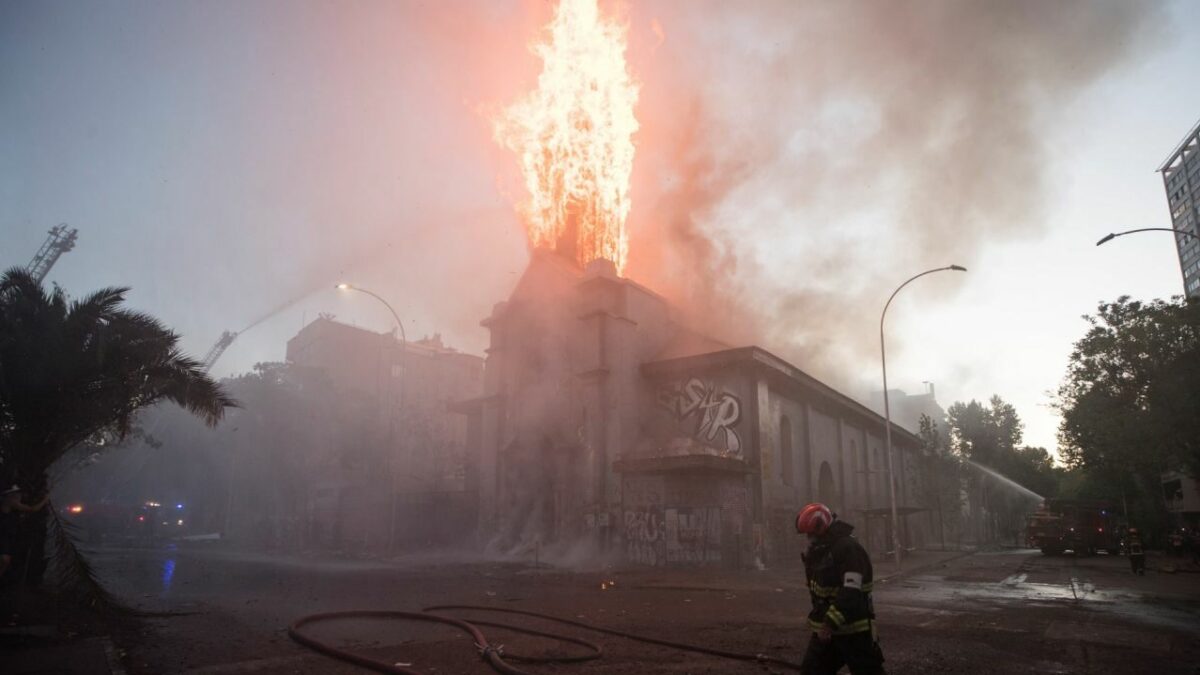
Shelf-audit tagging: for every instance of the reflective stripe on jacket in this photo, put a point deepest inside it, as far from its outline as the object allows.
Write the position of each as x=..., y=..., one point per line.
x=843, y=609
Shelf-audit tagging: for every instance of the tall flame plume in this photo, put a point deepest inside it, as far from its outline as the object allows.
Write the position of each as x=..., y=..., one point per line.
x=573, y=137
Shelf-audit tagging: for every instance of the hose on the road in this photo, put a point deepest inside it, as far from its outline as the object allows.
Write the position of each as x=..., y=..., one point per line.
x=493, y=655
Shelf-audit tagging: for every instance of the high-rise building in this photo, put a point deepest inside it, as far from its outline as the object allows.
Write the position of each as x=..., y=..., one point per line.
x=1181, y=178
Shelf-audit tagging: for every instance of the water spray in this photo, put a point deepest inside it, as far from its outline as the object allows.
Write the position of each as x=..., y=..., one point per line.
x=1007, y=481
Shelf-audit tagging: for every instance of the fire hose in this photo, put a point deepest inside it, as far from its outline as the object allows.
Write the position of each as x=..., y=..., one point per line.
x=494, y=655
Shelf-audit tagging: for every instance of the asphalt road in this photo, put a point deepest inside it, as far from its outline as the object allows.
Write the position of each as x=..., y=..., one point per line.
x=1003, y=612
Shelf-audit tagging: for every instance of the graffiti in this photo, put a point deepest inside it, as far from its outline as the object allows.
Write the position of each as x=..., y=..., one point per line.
x=674, y=536
x=643, y=537
x=692, y=535
x=716, y=412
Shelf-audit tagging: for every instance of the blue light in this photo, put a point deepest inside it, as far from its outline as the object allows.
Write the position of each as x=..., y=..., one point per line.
x=168, y=574
x=179, y=506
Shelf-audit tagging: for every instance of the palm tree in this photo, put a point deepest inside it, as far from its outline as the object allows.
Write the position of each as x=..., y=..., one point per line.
x=75, y=372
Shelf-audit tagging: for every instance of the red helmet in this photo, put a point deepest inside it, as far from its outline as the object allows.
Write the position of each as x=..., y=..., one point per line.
x=814, y=519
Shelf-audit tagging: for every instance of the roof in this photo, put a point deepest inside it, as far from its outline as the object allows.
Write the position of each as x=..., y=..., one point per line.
x=322, y=327
x=469, y=406
x=1179, y=148
x=761, y=358
x=689, y=343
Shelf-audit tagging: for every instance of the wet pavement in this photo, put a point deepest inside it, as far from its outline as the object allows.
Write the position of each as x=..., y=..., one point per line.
x=997, y=612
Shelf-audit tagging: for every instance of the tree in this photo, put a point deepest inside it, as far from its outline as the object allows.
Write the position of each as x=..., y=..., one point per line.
x=989, y=436
x=1131, y=399
x=76, y=372
x=985, y=433
x=943, y=491
x=1130, y=402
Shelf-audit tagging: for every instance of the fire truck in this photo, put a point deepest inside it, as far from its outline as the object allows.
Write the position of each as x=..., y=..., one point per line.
x=1083, y=527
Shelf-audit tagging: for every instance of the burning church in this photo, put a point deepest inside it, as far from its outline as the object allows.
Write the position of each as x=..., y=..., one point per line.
x=605, y=421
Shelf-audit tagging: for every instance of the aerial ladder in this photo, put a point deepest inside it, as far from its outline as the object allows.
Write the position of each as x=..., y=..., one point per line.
x=217, y=350
x=61, y=240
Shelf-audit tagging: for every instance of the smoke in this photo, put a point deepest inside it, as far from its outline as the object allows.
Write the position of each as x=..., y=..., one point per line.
x=797, y=161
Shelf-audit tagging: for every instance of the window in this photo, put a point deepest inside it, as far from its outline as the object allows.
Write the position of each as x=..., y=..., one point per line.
x=826, y=488
x=1173, y=490
x=785, y=450
x=853, y=460
x=879, y=470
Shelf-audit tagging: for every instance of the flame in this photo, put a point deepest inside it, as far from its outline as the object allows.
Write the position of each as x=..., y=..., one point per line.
x=573, y=137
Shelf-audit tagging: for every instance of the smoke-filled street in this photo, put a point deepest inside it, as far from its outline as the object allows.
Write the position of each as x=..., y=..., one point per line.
x=1012, y=611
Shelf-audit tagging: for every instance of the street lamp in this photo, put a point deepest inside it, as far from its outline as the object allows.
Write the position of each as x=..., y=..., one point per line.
x=349, y=287
x=1109, y=237
x=391, y=409
x=887, y=409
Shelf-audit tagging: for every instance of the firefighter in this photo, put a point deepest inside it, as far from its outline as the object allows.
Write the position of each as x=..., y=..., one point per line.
x=1175, y=539
x=1137, y=554
x=11, y=508
x=839, y=576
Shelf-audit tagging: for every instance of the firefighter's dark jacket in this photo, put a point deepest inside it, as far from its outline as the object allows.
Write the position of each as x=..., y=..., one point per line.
x=844, y=609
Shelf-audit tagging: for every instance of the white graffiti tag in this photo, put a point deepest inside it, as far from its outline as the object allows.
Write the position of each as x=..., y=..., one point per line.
x=717, y=412
x=643, y=537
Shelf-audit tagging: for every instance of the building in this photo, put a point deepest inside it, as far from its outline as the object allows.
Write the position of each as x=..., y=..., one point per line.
x=1181, y=493
x=1181, y=178
x=412, y=446
x=606, y=425
x=907, y=409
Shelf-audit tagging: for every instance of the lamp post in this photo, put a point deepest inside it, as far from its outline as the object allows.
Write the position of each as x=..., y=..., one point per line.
x=391, y=409
x=887, y=409
x=1109, y=237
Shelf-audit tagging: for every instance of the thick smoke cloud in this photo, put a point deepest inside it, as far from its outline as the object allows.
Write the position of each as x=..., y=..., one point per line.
x=795, y=161
x=799, y=160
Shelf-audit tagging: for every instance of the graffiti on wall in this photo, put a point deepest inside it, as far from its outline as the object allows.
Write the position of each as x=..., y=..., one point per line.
x=713, y=412
x=673, y=536
x=643, y=537
x=692, y=535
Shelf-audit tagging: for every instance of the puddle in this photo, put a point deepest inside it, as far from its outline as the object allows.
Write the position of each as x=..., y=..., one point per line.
x=1122, y=603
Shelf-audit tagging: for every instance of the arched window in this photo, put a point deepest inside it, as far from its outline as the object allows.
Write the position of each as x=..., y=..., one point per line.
x=826, y=490
x=852, y=485
x=866, y=477
x=786, y=467
x=879, y=471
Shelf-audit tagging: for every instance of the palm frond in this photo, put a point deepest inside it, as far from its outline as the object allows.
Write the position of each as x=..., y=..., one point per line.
x=73, y=575
x=98, y=304
x=18, y=279
x=74, y=371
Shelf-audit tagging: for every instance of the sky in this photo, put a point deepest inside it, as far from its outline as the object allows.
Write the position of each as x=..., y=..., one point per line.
x=232, y=162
